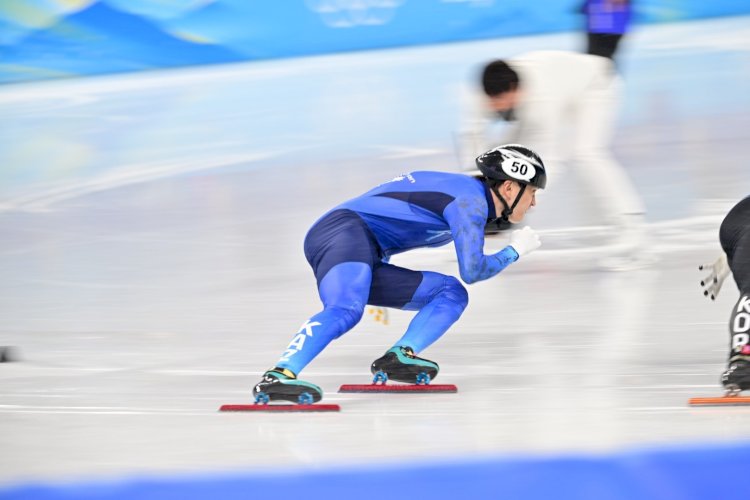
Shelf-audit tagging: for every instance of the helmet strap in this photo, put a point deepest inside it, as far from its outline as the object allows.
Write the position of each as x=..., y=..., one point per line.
x=508, y=210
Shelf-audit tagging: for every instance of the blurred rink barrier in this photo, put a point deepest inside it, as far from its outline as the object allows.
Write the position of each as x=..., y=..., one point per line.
x=42, y=39
x=684, y=474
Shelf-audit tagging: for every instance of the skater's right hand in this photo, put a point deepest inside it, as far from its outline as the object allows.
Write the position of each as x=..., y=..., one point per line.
x=719, y=271
x=524, y=241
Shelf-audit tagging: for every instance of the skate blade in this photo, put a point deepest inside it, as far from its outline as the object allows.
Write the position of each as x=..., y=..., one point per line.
x=720, y=401
x=398, y=388
x=280, y=408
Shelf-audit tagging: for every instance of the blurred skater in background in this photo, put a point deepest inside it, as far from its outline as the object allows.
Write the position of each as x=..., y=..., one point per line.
x=562, y=104
x=607, y=22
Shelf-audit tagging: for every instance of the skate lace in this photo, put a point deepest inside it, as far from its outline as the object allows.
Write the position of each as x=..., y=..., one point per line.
x=406, y=351
x=281, y=373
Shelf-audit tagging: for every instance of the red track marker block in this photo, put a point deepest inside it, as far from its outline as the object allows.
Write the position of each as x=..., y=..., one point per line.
x=403, y=388
x=280, y=408
x=720, y=401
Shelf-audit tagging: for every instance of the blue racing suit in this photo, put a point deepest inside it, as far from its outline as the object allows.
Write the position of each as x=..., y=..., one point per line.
x=348, y=249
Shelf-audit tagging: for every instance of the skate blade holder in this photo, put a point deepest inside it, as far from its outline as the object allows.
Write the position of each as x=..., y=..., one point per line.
x=305, y=404
x=379, y=384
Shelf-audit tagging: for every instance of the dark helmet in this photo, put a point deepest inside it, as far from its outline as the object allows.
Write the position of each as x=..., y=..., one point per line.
x=513, y=162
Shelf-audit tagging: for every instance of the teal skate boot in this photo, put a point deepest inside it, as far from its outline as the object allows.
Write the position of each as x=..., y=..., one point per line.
x=402, y=365
x=280, y=384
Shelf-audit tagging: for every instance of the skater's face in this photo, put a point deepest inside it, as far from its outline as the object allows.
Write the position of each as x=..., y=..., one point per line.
x=509, y=190
x=504, y=102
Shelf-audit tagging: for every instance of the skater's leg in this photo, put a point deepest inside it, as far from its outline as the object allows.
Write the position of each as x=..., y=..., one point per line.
x=734, y=236
x=341, y=251
x=440, y=301
x=736, y=378
x=739, y=263
x=344, y=292
x=739, y=327
x=604, y=177
x=600, y=172
x=735, y=240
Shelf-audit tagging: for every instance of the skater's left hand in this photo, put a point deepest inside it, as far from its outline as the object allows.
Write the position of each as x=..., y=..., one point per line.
x=524, y=241
x=719, y=271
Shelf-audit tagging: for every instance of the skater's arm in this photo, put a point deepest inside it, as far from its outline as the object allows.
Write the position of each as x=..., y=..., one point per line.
x=467, y=218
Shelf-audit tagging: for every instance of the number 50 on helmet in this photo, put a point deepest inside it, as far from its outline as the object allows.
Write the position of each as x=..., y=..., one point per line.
x=513, y=162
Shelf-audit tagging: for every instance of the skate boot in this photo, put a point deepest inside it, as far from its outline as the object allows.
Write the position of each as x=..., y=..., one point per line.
x=280, y=384
x=402, y=365
x=737, y=376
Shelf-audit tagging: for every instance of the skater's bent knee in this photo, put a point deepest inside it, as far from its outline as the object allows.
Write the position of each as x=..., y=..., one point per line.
x=348, y=315
x=456, y=292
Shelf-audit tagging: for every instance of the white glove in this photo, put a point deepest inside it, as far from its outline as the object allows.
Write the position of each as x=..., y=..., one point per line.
x=524, y=241
x=719, y=271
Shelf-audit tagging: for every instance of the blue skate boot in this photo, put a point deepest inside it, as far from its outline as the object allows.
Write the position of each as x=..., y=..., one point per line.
x=280, y=384
x=736, y=378
x=401, y=364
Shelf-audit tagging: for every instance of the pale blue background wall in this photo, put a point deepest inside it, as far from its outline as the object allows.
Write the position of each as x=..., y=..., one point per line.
x=42, y=39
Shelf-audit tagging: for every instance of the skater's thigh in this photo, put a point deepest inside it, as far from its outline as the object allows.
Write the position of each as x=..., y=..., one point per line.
x=740, y=263
x=393, y=286
x=734, y=236
x=401, y=288
x=338, y=238
x=347, y=285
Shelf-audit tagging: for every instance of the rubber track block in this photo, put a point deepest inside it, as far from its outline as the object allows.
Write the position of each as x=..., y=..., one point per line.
x=280, y=408
x=403, y=388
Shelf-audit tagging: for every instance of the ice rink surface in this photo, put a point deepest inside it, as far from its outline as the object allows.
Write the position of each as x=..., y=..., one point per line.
x=151, y=266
